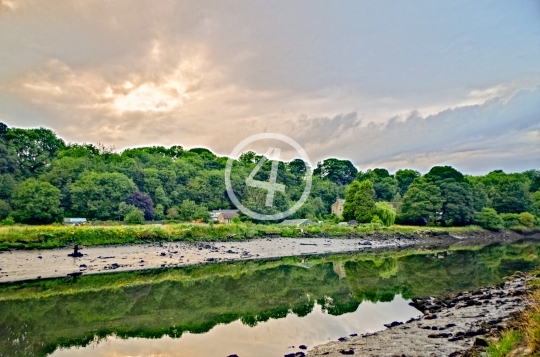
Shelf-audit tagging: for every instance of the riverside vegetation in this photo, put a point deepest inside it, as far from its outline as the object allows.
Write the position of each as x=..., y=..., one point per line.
x=43, y=179
x=170, y=302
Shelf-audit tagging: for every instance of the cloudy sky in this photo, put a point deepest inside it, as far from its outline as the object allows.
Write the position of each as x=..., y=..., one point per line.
x=382, y=83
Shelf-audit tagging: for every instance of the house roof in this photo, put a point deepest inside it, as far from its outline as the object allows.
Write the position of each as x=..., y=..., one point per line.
x=74, y=220
x=229, y=214
x=341, y=200
x=296, y=222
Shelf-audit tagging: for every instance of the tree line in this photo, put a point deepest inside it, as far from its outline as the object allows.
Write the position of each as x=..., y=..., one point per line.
x=43, y=179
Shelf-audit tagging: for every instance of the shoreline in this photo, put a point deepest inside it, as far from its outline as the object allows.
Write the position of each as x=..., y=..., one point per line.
x=451, y=325
x=27, y=265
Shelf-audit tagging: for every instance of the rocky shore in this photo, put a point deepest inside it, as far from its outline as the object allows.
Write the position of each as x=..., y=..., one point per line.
x=451, y=325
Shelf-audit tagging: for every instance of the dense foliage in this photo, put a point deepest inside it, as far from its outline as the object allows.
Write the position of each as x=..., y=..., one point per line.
x=43, y=179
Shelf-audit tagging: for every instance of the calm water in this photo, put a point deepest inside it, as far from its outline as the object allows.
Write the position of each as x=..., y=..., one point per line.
x=248, y=308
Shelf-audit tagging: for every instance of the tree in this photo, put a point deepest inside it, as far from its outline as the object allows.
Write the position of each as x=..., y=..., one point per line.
x=405, y=178
x=511, y=195
x=34, y=148
x=172, y=213
x=338, y=171
x=98, y=195
x=159, y=212
x=422, y=202
x=458, y=206
x=386, y=213
x=480, y=196
x=143, y=202
x=5, y=209
x=359, y=202
x=489, y=219
x=7, y=186
x=535, y=206
x=135, y=216
x=441, y=173
x=36, y=202
x=385, y=185
x=187, y=210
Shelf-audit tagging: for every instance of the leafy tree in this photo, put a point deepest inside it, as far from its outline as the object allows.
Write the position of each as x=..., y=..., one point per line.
x=5, y=209
x=338, y=171
x=422, y=202
x=510, y=195
x=135, y=216
x=526, y=219
x=385, y=185
x=441, y=173
x=34, y=148
x=458, y=206
x=124, y=209
x=386, y=213
x=359, y=202
x=489, y=219
x=36, y=202
x=159, y=212
x=187, y=210
x=535, y=206
x=480, y=196
x=7, y=186
x=98, y=195
x=405, y=178
x=143, y=202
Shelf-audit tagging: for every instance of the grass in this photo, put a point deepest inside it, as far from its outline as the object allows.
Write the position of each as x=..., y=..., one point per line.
x=505, y=345
x=55, y=236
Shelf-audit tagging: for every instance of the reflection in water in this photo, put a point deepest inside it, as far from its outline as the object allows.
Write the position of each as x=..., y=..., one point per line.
x=240, y=307
x=269, y=338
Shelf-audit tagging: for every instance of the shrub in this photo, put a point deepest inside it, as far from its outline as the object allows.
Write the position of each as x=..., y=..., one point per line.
x=526, y=219
x=510, y=219
x=488, y=219
x=7, y=222
x=135, y=216
x=386, y=213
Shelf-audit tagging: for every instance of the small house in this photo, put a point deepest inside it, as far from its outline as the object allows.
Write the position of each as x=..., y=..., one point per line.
x=297, y=222
x=226, y=217
x=337, y=207
x=215, y=213
x=74, y=221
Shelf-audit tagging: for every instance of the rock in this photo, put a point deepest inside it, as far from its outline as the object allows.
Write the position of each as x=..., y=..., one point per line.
x=430, y=317
x=302, y=347
x=347, y=352
x=479, y=341
x=235, y=355
x=342, y=339
x=393, y=324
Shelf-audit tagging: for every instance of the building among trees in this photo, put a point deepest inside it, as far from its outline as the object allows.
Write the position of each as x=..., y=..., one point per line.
x=337, y=207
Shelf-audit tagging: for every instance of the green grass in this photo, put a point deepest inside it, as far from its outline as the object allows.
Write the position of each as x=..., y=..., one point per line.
x=54, y=236
x=505, y=345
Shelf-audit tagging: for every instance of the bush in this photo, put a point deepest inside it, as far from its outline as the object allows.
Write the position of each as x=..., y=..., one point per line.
x=510, y=219
x=489, y=219
x=135, y=217
x=7, y=222
x=386, y=213
x=5, y=209
x=526, y=219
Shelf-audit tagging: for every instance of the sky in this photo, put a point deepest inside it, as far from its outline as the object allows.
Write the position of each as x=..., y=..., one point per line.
x=382, y=83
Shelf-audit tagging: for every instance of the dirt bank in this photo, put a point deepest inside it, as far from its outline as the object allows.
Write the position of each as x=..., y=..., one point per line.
x=450, y=325
x=18, y=265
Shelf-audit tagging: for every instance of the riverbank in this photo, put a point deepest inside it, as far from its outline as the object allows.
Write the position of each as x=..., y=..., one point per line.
x=20, y=265
x=451, y=325
x=56, y=236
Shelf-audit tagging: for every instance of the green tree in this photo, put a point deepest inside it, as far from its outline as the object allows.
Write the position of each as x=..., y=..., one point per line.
x=511, y=195
x=5, y=209
x=98, y=195
x=187, y=210
x=535, y=206
x=405, y=178
x=458, y=206
x=359, y=202
x=442, y=173
x=36, y=202
x=489, y=219
x=7, y=186
x=338, y=171
x=422, y=202
x=159, y=212
x=386, y=213
x=34, y=149
x=135, y=216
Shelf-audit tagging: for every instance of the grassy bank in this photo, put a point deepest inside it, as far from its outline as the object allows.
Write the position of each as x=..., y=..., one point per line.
x=45, y=237
x=523, y=338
